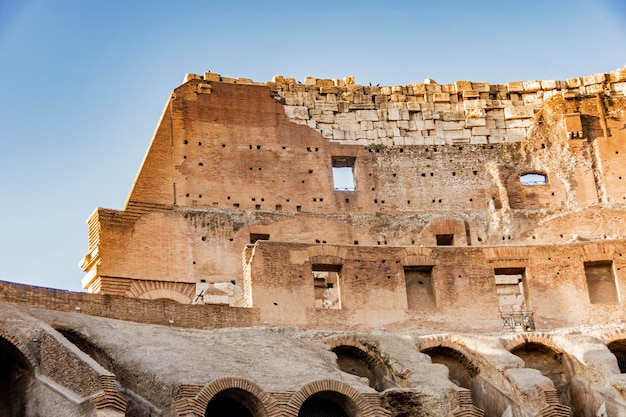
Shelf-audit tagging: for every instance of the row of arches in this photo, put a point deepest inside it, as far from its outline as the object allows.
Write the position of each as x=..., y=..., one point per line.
x=539, y=352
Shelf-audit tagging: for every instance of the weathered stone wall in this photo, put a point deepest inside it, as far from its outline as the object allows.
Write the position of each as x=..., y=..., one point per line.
x=465, y=294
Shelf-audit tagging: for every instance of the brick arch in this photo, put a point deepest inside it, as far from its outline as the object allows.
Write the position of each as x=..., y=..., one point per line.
x=21, y=347
x=612, y=335
x=597, y=252
x=445, y=226
x=363, y=406
x=373, y=352
x=206, y=394
x=526, y=338
x=416, y=256
x=465, y=357
x=152, y=290
x=327, y=255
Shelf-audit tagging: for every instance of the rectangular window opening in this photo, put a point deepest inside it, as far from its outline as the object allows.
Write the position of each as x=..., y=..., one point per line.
x=445, y=240
x=326, y=280
x=601, y=282
x=510, y=289
x=419, y=287
x=343, y=173
x=258, y=236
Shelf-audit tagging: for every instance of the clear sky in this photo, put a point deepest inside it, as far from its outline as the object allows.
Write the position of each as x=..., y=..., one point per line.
x=83, y=83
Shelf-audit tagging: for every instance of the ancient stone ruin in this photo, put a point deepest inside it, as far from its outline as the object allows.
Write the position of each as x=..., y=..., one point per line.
x=331, y=249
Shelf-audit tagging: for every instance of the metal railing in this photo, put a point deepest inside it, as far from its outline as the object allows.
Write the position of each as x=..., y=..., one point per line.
x=519, y=321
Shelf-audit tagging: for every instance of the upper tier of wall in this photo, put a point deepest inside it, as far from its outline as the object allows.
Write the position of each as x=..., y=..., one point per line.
x=425, y=113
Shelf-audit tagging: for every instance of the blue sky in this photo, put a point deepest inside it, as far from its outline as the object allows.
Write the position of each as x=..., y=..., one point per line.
x=83, y=83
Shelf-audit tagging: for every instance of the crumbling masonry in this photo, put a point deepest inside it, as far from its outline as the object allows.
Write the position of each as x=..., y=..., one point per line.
x=326, y=248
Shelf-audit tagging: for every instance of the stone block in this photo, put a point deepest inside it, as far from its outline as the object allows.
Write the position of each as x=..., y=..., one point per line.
x=452, y=116
x=478, y=140
x=515, y=87
x=367, y=125
x=620, y=74
x=345, y=118
x=453, y=134
x=516, y=134
x=296, y=112
x=279, y=79
x=433, y=88
x=419, y=89
x=619, y=87
x=470, y=94
x=518, y=112
x=413, y=106
x=348, y=80
x=531, y=86
x=326, y=106
x=599, y=78
x=475, y=114
x=594, y=89
x=452, y=125
x=475, y=122
x=573, y=82
x=310, y=81
x=291, y=81
x=338, y=134
x=481, y=87
x=343, y=106
x=393, y=114
x=480, y=131
x=462, y=86
x=326, y=117
x=515, y=123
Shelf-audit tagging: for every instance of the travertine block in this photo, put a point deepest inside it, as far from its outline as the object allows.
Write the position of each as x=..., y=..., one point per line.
x=296, y=112
x=345, y=118
x=310, y=81
x=518, y=112
x=531, y=86
x=475, y=114
x=620, y=75
x=367, y=125
x=515, y=86
x=419, y=89
x=481, y=87
x=277, y=78
x=619, y=87
x=452, y=125
x=470, y=94
x=480, y=131
x=594, y=79
x=478, y=140
x=413, y=106
x=594, y=88
x=325, y=105
x=475, y=122
x=462, y=86
x=573, y=82
x=349, y=80
x=451, y=116
x=515, y=123
x=516, y=134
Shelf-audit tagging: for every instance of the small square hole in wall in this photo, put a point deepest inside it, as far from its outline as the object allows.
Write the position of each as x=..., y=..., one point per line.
x=445, y=240
x=258, y=236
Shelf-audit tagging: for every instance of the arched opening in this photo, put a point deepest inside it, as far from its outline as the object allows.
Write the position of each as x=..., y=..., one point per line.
x=16, y=377
x=235, y=402
x=551, y=364
x=618, y=348
x=328, y=404
x=357, y=362
x=462, y=371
